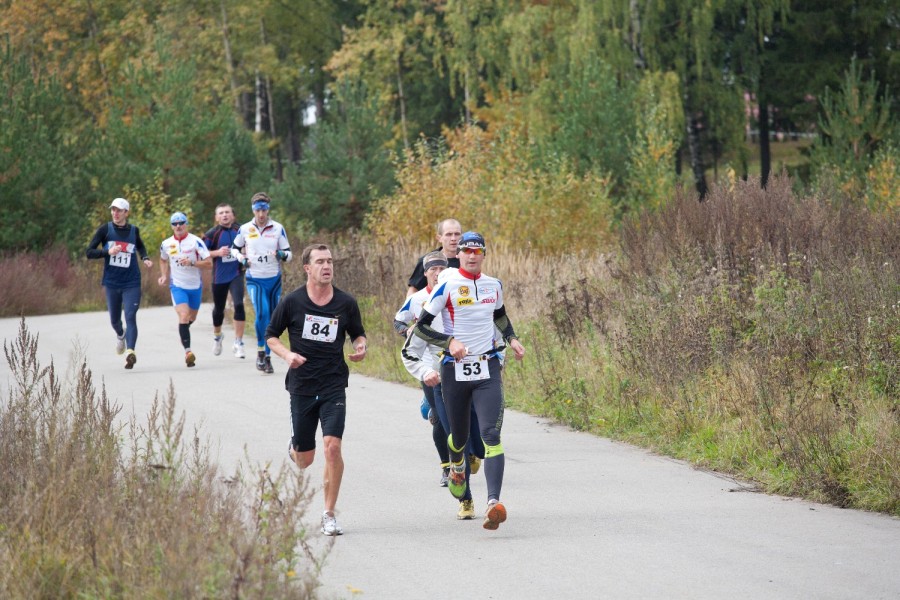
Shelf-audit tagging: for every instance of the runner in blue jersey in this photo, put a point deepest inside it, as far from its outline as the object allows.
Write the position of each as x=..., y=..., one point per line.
x=261, y=246
x=120, y=246
x=471, y=306
x=318, y=318
x=182, y=255
x=227, y=278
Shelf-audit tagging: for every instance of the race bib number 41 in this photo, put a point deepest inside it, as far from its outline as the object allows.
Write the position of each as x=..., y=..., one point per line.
x=472, y=368
x=319, y=329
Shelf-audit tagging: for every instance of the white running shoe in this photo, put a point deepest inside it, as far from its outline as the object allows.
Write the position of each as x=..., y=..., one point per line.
x=330, y=525
x=217, y=345
x=120, y=344
x=238, y=349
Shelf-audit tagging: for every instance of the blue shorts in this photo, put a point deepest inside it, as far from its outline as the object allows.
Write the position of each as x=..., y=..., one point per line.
x=189, y=297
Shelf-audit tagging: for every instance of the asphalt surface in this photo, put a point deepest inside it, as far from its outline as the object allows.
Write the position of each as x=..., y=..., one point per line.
x=588, y=517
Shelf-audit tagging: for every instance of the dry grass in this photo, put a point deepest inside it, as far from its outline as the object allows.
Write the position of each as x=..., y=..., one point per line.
x=90, y=509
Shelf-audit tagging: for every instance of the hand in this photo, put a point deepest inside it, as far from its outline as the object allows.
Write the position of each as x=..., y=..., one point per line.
x=457, y=349
x=431, y=379
x=148, y=263
x=281, y=255
x=162, y=280
x=359, y=354
x=294, y=360
x=518, y=348
x=245, y=262
x=114, y=250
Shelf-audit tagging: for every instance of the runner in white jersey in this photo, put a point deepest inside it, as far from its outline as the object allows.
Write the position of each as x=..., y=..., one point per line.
x=181, y=257
x=423, y=361
x=262, y=245
x=471, y=305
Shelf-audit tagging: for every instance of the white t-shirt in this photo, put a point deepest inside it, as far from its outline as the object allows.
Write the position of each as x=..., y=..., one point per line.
x=260, y=246
x=173, y=250
x=467, y=307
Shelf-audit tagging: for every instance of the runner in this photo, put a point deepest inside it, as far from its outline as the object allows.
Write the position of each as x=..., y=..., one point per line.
x=471, y=305
x=184, y=254
x=262, y=245
x=227, y=278
x=318, y=317
x=117, y=242
x=448, y=232
x=422, y=361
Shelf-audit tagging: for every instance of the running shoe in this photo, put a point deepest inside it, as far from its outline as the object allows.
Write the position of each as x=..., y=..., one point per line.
x=189, y=358
x=466, y=510
x=217, y=345
x=474, y=464
x=238, y=349
x=268, y=366
x=457, y=480
x=445, y=475
x=330, y=525
x=495, y=514
x=130, y=359
x=120, y=344
x=260, y=361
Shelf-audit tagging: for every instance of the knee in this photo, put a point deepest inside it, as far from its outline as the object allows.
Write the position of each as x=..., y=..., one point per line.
x=332, y=449
x=490, y=436
x=303, y=459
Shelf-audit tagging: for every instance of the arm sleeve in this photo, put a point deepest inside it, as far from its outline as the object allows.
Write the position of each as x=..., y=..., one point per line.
x=277, y=322
x=428, y=333
x=93, y=251
x=502, y=322
x=355, y=325
x=139, y=244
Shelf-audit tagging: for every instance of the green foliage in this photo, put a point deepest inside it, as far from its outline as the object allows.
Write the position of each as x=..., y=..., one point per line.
x=158, y=125
x=40, y=177
x=347, y=165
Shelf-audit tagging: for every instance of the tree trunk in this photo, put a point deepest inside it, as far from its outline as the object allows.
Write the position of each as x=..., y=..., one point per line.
x=693, y=138
x=402, y=100
x=765, y=155
x=229, y=64
x=637, y=47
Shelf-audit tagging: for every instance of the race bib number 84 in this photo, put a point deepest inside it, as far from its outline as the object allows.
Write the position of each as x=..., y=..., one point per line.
x=319, y=329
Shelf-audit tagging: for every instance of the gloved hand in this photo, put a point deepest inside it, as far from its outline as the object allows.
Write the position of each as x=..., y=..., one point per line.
x=245, y=262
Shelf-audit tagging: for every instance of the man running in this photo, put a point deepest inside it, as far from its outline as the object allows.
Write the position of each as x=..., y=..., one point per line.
x=318, y=317
x=227, y=278
x=422, y=361
x=119, y=244
x=262, y=245
x=471, y=305
x=448, y=232
x=183, y=254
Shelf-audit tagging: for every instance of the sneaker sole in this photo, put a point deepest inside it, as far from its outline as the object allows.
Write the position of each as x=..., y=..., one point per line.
x=495, y=515
x=130, y=360
x=189, y=359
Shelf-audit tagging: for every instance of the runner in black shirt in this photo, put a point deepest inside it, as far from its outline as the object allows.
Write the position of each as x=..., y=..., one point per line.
x=318, y=317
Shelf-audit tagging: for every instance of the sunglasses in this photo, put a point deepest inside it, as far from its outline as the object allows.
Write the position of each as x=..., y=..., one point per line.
x=179, y=223
x=475, y=251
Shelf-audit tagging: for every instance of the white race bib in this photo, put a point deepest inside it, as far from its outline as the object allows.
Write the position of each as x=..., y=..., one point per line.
x=472, y=368
x=319, y=329
x=121, y=260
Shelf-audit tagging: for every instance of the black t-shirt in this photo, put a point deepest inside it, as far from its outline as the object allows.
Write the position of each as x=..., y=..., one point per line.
x=418, y=279
x=317, y=333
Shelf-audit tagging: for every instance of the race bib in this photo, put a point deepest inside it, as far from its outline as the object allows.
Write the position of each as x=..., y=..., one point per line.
x=320, y=329
x=121, y=260
x=228, y=258
x=472, y=368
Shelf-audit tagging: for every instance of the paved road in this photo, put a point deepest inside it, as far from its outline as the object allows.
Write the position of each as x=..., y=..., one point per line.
x=588, y=518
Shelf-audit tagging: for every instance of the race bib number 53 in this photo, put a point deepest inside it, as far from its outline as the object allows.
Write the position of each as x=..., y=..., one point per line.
x=472, y=368
x=319, y=329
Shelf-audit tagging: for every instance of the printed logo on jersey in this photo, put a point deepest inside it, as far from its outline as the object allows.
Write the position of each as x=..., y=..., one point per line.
x=463, y=290
x=489, y=301
x=486, y=291
x=464, y=301
x=173, y=249
x=252, y=233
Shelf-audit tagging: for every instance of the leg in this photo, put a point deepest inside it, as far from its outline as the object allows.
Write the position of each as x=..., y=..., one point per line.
x=237, y=298
x=220, y=297
x=273, y=295
x=114, y=304
x=438, y=435
x=131, y=302
x=255, y=291
x=441, y=410
x=304, y=421
x=489, y=404
x=334, y=471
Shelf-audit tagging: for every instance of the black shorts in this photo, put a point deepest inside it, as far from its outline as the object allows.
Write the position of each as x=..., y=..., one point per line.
x=307, y=412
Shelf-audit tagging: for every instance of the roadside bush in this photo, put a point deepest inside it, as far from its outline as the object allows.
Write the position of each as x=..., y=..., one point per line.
x=92, y=508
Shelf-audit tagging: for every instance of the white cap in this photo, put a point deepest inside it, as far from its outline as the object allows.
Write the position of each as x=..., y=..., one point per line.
x=121, y=204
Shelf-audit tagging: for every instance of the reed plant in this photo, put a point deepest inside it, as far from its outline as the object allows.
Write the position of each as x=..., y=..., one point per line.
x=94, y=507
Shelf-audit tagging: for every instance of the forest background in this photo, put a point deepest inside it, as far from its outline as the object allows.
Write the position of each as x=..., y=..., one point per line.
x=693, y=204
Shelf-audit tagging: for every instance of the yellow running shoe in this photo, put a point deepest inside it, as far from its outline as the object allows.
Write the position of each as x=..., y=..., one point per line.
x=474, y=464
x=466, y=510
